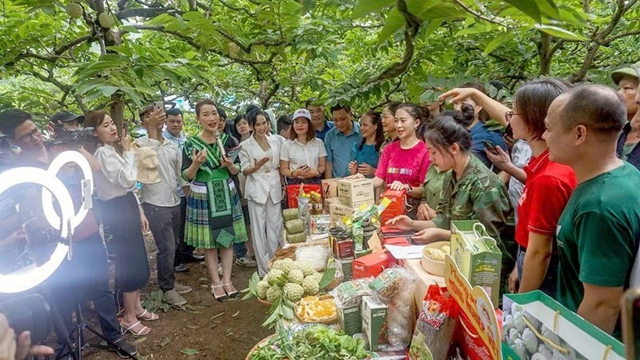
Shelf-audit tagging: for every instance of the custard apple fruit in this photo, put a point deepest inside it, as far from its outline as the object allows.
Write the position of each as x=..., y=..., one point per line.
x=310, y=286
x=307, y=270
x=285, y=265
x=262, y=288
x=317, y=276
x=293, y=292
x=107, y=21
x=296, y=276
x=273, y=293
x=273, y=276
x=74, y=10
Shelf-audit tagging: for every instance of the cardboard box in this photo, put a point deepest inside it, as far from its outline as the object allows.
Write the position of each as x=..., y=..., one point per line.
x=355, y=192
x=329, y=188
x=396, y=207
x=338, y=211
x=372, y=265
x=350, y=319
x=347, y=269
x=343, y=249
x=374, y=324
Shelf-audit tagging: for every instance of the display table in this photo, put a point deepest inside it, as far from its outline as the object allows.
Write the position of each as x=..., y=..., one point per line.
x=424, y=279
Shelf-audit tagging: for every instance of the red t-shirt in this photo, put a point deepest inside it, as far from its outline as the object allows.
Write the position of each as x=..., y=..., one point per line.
x=409, y=166
x=546, y=193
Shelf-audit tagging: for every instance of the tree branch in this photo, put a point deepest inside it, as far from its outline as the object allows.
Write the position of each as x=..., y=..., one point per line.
x=237, y=8
x=145, y=12
x=271, y=93
x=619, y=36
x=477, y=14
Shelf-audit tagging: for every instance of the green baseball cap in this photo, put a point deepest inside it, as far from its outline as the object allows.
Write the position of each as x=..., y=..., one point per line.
x=626, y=70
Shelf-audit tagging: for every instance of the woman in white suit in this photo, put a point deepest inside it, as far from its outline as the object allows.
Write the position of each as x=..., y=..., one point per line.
x=260, y=162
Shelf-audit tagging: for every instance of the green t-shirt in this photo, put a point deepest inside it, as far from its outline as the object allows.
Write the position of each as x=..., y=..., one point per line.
x=598, y=234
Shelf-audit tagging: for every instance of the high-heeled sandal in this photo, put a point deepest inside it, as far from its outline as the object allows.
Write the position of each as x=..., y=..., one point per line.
x=232, y=294
x=218, y=298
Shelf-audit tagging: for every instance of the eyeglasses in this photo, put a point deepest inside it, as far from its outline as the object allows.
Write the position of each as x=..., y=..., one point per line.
x=34, y=135
x=508, y=115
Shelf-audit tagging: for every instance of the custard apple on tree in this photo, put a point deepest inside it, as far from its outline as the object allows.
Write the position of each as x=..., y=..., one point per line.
x=296, y=276
x=74, y=10
x=262, y=288
x=310, y=286
x=273, y=293
x=106, y=20
x=293, y=292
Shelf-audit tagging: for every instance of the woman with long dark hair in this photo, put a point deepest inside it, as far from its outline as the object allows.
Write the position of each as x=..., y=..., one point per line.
x=214, y=214
x=122, y=217
x=366, y=154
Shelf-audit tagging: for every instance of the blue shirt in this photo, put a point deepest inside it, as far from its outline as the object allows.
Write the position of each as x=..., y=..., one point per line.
x=328, y=125
x=479, y=133
x=180, y=142
x=339, y=146
x=368, y=155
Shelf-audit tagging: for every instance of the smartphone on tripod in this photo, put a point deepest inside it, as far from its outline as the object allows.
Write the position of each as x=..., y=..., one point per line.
x=631, y=323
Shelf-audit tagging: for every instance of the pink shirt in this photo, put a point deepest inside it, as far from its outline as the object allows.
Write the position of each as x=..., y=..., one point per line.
x=409, y=166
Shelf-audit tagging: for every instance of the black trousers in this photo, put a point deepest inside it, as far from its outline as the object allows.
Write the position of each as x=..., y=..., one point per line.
x=183, y=250
x=86, y=278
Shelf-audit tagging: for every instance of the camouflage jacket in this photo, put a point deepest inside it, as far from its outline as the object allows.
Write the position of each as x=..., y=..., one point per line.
x=478, y=195
x=432, y=188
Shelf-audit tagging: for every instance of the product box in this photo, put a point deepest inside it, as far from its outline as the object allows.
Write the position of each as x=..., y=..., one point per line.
x=328, y=202
x=355, y=192
x=347, y=269
x=350, y=319
x=339, y=211
x=396, y=207
x=329, y=188
x=372, y=265
x=374, y=324
x=398, y=241
x=343, y=249
x=477, y=255
x=361, y=253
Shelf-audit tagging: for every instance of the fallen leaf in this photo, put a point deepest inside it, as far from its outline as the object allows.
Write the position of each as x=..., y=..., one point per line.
x=192, y=327
x=203, y=280
x=190, y=352
x=217, y=316
x=165, y=342
x=140, y=340
x=236, y=314
x=228, y=333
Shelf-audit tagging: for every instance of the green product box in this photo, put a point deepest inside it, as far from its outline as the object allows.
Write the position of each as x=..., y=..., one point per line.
x=350, y=319
x=347, y=269
x=477, y=256
x=374, y=324
x=358, y=237
x=359, y=254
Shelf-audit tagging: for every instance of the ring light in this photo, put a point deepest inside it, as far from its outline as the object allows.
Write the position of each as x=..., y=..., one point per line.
x=47, y=200
x=31, y=276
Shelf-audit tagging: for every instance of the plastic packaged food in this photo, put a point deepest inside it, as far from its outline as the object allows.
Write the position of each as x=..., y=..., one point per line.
x=294, y=226
x=435, y=327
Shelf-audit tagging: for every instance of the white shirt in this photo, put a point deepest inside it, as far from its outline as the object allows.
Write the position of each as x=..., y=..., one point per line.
x=169, y=167
x=279, y=138
x=299, y=155
x=118, y=174
x=265, y=181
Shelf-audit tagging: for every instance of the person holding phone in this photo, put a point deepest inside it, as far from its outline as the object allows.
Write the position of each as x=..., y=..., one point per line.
x=123, y=218
x=548, y=185
x=260, y=162
x=303, y=158
x=366, y=154
x=214, y=214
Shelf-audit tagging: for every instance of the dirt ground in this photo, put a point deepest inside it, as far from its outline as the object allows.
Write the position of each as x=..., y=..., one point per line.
x=217, y=331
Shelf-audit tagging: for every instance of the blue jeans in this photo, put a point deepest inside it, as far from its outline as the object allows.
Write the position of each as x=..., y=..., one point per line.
x=550, y=281
x=240, y=250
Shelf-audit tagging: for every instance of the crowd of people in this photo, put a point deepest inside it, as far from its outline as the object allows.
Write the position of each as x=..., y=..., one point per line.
x=556, y=190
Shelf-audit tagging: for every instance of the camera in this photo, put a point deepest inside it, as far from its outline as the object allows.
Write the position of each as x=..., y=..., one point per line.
x=71, y=138
x=28, y=313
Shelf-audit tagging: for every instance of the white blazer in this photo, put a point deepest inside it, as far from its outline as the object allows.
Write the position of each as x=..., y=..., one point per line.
x=265, y=181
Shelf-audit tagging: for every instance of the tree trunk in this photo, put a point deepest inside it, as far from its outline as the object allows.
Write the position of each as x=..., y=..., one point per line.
x=545, y=54
x=117, y=110
x=586, y=7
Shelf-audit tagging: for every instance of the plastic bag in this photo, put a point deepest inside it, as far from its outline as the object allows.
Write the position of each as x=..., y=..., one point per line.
x=351, y=292
x=395, y=288
x=315, y=255
x=304, y=213
x=436, y=325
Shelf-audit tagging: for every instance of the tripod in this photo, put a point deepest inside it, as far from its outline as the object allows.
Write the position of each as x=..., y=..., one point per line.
x=77, y=334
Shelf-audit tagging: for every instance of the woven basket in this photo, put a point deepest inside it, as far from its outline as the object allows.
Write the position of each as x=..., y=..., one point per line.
x=262, y=343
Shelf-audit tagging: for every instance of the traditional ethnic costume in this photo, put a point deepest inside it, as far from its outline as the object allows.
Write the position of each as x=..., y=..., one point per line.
x=214, y=213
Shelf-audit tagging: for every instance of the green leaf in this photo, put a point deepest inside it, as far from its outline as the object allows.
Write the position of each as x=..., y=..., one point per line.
x=493, y=44
x=190, y=352
x=560, y=32
x=364, y=7
x=328, y=276
x=548, y=8
x=109, y=90
x=529, y=7
x=434, y=25
x=394, y=22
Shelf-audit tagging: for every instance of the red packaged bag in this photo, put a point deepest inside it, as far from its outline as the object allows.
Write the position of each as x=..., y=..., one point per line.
x=293, y=191
x=436, y=325
x=396, y=207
